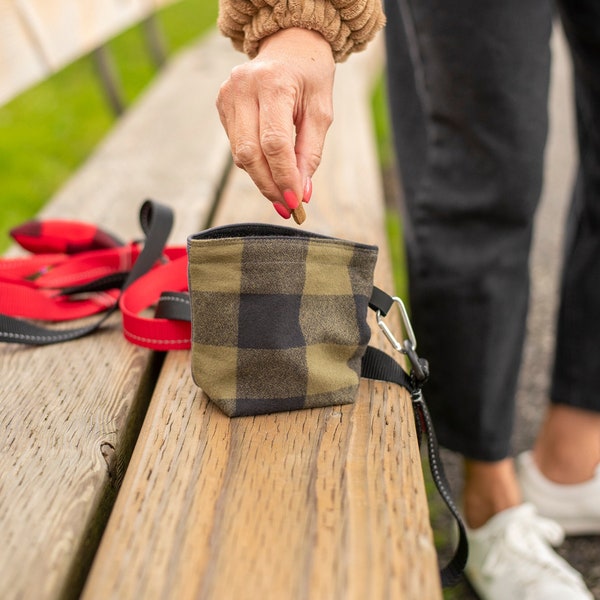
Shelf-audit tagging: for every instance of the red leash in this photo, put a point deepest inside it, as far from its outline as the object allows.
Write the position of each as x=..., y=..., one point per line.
x=77, y=270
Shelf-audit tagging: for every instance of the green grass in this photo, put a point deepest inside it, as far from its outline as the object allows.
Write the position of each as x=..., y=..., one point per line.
x=393, y=223
x=49, y=130
x=381, y=124
x=385, y=152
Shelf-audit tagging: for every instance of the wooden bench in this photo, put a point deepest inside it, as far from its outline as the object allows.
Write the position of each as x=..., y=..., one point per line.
x=38, y=38
x=112, y=458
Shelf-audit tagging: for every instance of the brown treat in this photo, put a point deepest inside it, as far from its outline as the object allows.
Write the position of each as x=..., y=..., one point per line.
x=299, y=214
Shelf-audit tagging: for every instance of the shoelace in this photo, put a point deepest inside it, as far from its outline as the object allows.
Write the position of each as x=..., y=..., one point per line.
x=528, y=536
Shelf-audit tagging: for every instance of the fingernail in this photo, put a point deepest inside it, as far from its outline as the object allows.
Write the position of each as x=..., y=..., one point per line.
x=282, y=210
x=290, y=199
x=307, y=190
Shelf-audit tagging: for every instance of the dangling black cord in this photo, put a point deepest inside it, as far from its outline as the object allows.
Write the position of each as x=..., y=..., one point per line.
x=379, y=365
x=452, y=572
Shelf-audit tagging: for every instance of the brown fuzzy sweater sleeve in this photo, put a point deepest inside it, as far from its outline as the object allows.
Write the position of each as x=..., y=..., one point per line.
x=348, y=25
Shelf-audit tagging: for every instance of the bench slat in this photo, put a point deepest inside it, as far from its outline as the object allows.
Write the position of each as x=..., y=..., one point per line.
x=325, y=503
x=163, y=147
x=70, y=413
x=44, y=35
x=20, y=62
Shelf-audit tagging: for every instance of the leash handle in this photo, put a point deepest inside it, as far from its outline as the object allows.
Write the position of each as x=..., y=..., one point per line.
x=156, y=221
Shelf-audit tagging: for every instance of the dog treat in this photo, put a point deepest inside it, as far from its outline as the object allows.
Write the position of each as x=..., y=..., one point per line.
x=299, y=214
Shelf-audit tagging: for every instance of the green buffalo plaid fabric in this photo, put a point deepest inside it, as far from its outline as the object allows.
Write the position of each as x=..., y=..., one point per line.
x=279, y=317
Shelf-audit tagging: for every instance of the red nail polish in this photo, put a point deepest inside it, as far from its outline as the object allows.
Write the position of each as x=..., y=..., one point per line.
x=290, y=199
x=307, y=190
x=281, y=210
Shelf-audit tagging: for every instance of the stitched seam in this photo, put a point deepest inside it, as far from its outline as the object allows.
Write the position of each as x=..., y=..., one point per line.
x=176, y=299
x=156, y=341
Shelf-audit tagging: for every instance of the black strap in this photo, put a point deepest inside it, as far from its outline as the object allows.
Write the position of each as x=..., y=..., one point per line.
x=381, y=366
x=380, y=301
x=174, y=306
x=156, y=221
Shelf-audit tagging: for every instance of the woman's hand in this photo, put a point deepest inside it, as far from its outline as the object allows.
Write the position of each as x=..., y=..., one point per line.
x=276, y=110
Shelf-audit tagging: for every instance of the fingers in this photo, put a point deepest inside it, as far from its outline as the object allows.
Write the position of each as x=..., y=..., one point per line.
x=310, y=141
x=277, y=140
x=238, y=106
x=276, y=110
x=260, y=130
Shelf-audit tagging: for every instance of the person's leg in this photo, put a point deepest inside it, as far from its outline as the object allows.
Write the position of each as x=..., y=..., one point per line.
x=468, y=88
x=567, y=450
x=468, y=85
x=490, y=488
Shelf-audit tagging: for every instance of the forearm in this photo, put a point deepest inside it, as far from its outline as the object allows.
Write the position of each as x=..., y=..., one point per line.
x=348, y=25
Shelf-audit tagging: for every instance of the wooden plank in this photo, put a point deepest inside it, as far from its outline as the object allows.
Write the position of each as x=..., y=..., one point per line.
x=170, y=146
x=70, y=413
x=66, y=30
x=20, y=62
x=40, y=36
x=325, y=503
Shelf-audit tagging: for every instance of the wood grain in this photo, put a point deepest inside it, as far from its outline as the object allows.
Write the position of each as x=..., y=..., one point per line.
x=321, y=504
x=20, y=62
x=38, y=37
x=69, y=414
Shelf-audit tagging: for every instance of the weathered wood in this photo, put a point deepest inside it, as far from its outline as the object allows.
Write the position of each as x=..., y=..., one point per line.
x=70, y=414
x=324, y=503
x=20, y=62
x=38, y=37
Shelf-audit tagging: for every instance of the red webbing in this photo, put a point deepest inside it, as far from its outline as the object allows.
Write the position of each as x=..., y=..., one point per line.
x=150, y=332
x=69, y=237
x=33, y=287
x=27, y=302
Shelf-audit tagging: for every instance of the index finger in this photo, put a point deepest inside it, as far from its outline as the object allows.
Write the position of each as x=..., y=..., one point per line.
x=239, y=111
x=277, y=139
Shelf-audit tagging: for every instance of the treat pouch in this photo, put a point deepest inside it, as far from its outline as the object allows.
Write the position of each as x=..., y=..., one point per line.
x=279, y=317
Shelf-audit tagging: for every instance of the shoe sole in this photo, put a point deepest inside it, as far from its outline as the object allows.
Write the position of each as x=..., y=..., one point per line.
x=577, y=526
x=574, y=525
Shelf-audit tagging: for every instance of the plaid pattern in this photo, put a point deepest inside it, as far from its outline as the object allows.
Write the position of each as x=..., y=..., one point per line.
x=278, y=317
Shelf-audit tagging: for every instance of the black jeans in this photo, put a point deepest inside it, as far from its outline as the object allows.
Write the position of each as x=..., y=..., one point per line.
x=468, y=86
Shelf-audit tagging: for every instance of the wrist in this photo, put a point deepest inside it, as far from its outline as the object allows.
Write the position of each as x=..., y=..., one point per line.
x=297, y=41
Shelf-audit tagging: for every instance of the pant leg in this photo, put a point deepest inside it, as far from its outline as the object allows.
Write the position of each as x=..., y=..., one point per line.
x=576, y=378
x=470, y=125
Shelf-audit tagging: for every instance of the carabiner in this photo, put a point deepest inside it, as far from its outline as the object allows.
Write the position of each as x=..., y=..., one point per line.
x=407, y=328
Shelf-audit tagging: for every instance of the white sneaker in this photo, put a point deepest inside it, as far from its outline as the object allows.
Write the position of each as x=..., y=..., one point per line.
x=575, y=507
x=510, y=558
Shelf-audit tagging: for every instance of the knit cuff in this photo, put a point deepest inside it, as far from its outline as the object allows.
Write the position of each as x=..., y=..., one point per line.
x=348, y=25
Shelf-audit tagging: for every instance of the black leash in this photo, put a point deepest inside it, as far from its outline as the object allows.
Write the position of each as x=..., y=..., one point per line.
x=379, y=365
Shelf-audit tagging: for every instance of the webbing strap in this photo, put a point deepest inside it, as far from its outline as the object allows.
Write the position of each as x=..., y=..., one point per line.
x=381, y=366
x=161, y=332
x=156, y=221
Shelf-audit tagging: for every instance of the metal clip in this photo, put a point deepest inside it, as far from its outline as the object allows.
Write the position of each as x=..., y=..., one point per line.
x=420, y=367
x=412, y=340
